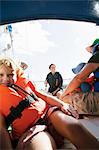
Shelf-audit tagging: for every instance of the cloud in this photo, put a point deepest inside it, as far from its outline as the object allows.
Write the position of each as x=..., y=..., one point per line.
x=31, y=37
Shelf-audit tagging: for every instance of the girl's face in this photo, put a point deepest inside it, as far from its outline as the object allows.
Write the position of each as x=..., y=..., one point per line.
x=7, y=75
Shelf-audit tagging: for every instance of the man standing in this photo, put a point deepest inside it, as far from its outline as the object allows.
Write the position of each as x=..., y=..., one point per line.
x=55, y=81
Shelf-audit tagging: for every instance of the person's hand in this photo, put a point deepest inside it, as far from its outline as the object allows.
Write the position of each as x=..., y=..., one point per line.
x=69, y=110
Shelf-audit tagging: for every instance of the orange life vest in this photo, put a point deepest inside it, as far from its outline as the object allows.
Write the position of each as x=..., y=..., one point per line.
x=9, y=97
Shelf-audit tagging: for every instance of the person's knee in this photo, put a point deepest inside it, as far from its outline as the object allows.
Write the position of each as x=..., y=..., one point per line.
x=64, y=122
x=74, y=126
x=68, y=122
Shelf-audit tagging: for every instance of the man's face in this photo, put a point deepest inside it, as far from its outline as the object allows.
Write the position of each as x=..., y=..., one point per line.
x=53, y=68
x=7, y=75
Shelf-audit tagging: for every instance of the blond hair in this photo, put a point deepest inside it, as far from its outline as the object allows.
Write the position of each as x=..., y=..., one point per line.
x=8, y=62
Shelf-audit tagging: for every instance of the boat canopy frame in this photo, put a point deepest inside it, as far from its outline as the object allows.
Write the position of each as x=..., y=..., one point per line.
x=24, y=10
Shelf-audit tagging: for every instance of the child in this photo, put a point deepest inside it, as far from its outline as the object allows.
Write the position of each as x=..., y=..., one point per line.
x=27, y=128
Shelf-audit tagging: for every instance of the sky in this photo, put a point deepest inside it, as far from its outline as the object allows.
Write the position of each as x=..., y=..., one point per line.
x=43, y=42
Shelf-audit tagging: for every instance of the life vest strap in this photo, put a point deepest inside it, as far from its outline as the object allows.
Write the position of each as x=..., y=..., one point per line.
x=18, y=88
x=15, y=112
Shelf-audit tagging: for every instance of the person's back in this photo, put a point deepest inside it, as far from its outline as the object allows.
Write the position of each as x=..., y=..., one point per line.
x=96, y=72
x=94, y=49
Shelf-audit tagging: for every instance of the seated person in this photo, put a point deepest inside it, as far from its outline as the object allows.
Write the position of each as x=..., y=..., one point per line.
x=94, y=49
x=87, y=85
x=54, y=80
x=29, y=112
x=85, y=102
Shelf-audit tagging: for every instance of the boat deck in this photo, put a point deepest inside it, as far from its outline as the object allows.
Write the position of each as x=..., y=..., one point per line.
x=92, y=124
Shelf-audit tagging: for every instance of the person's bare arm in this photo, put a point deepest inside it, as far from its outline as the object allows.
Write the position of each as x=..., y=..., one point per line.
x=54, y=101
x=78, y=79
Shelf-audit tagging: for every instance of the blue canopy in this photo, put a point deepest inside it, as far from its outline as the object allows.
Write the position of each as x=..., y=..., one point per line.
x=22, y=10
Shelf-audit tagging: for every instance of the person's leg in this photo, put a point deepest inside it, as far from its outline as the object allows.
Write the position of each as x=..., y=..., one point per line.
x=71, y=129
x=40, y=141
x=5, y=143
